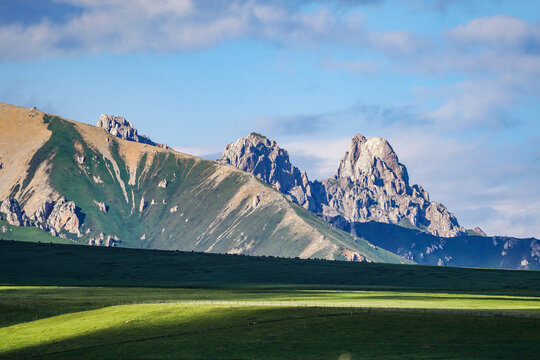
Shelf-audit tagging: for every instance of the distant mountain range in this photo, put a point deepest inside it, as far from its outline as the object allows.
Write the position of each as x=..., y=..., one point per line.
x=70, y=182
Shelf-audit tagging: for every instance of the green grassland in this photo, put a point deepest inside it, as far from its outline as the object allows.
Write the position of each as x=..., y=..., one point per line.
x=66, y=302
x=262, y=332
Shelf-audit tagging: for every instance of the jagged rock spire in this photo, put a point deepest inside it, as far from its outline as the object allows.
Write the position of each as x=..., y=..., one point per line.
x=370, y=184
x=367, y=156
x=124, y=129
x=373, y=162
x=261, y=156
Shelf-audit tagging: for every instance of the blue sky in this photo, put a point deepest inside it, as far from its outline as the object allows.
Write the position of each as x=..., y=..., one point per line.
x=453, y=85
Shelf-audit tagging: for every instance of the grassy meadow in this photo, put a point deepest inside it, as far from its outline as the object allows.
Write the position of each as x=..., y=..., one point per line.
x=74, y=302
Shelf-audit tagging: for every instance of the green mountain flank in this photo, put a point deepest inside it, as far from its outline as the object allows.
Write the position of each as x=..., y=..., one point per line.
x=82, y=185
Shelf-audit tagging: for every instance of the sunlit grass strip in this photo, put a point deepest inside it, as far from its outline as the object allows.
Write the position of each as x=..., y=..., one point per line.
x=143, y=326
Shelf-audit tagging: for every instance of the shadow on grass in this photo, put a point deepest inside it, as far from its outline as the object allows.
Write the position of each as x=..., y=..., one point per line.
x=22, y=304
x=174, y=331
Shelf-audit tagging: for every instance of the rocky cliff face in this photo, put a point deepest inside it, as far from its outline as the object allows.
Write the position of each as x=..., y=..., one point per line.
x=262, y=157
x=53, y=216
x=63, y=216
x=14, y=214
x=122, y=128
x=370, y=185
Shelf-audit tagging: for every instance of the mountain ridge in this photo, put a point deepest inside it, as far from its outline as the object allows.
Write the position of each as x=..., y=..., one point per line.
x=75, y=183
x=370, y=184
x=132, y=194
x=370, y=196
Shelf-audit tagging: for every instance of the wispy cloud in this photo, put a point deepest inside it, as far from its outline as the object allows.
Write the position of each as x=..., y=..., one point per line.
x=112, y=26
x=320, y=157
x=473, y=105
x=358, y=67
x=499, y=59
x=398, y=43
x=206, y=152
x=500, y=31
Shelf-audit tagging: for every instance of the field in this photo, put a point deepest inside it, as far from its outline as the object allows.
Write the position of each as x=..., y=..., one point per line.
x=62, y=301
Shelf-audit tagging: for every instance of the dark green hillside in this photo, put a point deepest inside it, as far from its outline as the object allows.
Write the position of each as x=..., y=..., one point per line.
x=54, y=264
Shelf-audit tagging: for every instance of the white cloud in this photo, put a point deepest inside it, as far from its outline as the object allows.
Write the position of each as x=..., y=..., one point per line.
x=114, y=26
x=397, y=43
x=498, y=56
x=473, y=104
x=499, y=30
x=320, y=158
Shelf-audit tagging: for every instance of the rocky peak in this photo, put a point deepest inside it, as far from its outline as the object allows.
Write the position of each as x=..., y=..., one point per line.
x=264, y=158
x=479, y=232
x=371, y=158
x=122, y=128
x=369, y=185
x=374, y=186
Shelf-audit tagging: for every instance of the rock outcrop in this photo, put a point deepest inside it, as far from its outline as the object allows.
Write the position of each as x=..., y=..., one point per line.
x=370, y=185
x=478, y=231
x=262, y=157
x=14, y=214
x=104, y=240
x=143, y=204
x=163, y=184
x=124, y=129
x=56, y=216
x=63, y=216
x=53, y=216
x=42, y=214
x=101, y=206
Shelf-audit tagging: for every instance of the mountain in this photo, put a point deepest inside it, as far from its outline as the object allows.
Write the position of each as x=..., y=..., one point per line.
x=370, y=196
x=370, y=185
x=70, y=182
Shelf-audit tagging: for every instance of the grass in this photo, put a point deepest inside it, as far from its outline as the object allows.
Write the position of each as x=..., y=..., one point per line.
x=165, y=304
x=24, y=263
x=243, y=332
x=30, y=234
x=44, y=301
